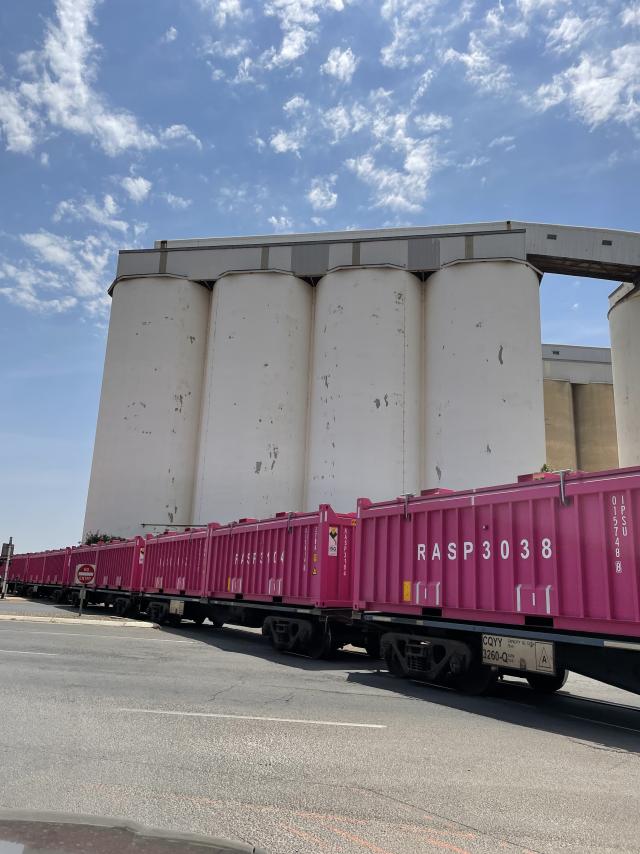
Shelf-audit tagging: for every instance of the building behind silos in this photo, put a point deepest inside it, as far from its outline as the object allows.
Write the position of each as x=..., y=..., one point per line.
x=249, y=376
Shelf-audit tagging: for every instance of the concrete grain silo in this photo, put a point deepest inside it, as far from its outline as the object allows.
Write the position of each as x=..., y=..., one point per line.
x=250, y=375
x=251, y=455
x=364, y=426
x=484, y=411
x=624, y=325
x=144, y=455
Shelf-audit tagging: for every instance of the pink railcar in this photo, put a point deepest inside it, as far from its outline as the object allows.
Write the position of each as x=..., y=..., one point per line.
x=18, y=568
x=118, y=564
x=174, y=563
x=294, y=558
x=561, y=553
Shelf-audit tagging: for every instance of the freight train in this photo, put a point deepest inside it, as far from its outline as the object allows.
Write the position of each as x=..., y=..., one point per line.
x=534, y=579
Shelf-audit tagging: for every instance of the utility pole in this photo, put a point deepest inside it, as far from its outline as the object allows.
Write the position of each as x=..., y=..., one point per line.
x=7, y=554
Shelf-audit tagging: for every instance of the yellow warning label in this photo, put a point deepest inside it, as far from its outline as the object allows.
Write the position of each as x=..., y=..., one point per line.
x=406, y=591
x=228, y=584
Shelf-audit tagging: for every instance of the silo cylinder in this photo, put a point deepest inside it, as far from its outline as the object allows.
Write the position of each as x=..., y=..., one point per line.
x=145, y=447
x=624, y=325
x=484, y=412
x=364, y=425
x=252, y=437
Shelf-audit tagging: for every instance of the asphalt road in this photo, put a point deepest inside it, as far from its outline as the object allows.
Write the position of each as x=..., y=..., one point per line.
x=212, y=732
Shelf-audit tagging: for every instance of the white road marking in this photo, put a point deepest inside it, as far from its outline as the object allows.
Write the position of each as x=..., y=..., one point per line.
x=603, y=723
x=27, y=652
x=251, y=718
x=83, y=635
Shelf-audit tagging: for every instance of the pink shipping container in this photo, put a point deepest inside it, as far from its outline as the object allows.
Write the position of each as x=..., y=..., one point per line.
x=517, y=554
x=35, y=568
x=18, y=567
x=78, y=555
x=174, y=563
x=294, y=558
x=118, y=565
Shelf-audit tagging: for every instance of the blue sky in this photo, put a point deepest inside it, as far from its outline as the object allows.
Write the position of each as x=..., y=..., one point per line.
x=124, y=122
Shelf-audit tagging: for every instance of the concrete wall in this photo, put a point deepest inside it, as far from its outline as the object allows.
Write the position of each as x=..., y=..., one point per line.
x=559, y=425
x=595, y=426
x=144, y=454
x=580, y=425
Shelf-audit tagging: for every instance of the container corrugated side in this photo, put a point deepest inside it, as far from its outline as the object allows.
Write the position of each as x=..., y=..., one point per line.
x=296, y=559
x=119, y=565
x=54, y=566
x=511, y=554
x=174, y=563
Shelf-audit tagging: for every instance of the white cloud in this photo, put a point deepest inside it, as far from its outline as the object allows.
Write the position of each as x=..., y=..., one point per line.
x=280, y=223
x=340, y=64
x=403, y=189
x=299, y=20
x=530, y=7
x=423, y=83
x=502, y=142
x=137, y=188
x=295, y=105
x=18, y=123
x=407, y=20
x=60, y=274
x=630, y=16
x=338, y=120
x=321, y=194
x=597, y=90
x=90, y=210
x=318, y=220
x=433, y=122
x=284, y=141
x=474, y=162
x=228, y=49
x=170, y=36
x=58, y=88
x=176, y=133
x=568, y=32
x=177, y=202
x=44, y=159
x=481, y=69
x=223, y=11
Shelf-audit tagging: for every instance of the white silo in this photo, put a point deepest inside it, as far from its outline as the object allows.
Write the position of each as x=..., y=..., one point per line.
x=145, y=448
x=624, y=326
x=364, y=430
x=252, y=438
x=484, y=410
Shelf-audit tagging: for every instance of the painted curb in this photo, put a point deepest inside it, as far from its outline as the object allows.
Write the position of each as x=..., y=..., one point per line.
x=79, y=621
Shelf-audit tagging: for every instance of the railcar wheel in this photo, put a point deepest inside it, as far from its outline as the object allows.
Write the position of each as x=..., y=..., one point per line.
x=199, y=620
x=319, y=645
x=393, y=662
x=544, y=684
x=121, y=607
x=478, y=679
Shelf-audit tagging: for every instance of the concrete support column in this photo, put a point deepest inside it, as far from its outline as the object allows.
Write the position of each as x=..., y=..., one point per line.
x=624, y=325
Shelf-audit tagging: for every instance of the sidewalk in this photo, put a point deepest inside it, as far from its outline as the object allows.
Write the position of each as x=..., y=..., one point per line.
x=42, y=611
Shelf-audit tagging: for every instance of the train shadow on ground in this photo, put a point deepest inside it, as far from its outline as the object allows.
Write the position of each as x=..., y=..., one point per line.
x=600, y=724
